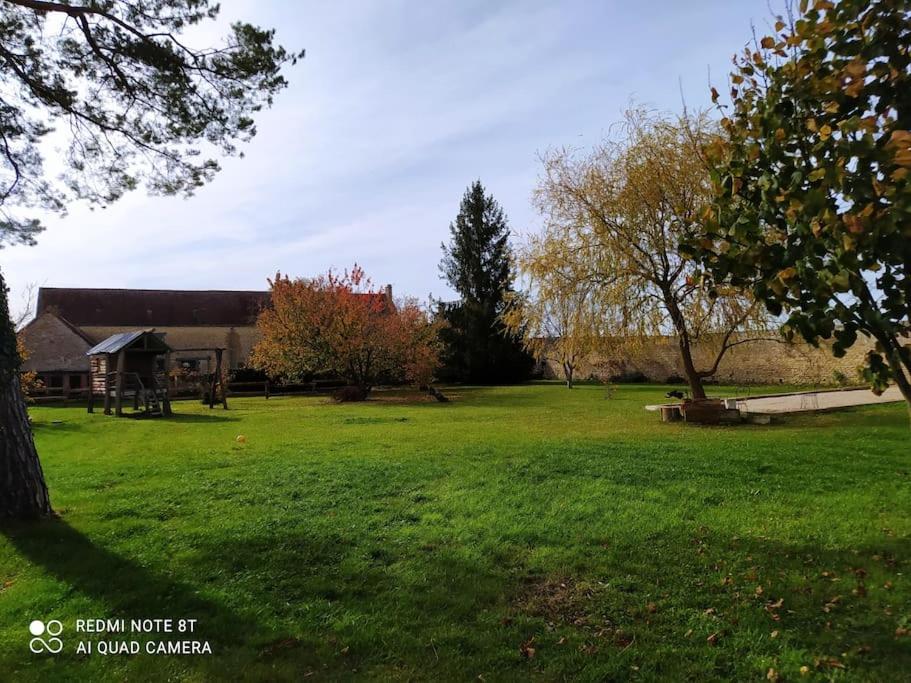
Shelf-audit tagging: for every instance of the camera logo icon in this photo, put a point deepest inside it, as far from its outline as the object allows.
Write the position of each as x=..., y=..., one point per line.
x=50, y=643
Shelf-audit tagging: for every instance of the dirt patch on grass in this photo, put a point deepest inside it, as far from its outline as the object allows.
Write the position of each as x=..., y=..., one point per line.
x=400, y=397
x=561, y=601
x=576, y=610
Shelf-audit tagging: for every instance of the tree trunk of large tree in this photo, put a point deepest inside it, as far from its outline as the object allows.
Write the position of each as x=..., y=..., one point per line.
x=902, y=379
x=23, y=493
x=693, y=378
x=689, y=368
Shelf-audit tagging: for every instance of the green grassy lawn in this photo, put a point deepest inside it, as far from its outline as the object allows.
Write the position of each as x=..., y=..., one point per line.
x=516, y=533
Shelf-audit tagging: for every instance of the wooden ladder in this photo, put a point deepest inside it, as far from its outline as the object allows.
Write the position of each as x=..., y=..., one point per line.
x=149, y=396
x=154, y=405
x=155, y=400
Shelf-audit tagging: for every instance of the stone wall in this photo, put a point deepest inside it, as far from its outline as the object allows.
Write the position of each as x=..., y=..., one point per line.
x=54, y=346
x=760, y=362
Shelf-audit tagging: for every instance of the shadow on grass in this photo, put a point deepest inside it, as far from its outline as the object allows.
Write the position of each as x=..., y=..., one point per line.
x=131, y=591
x=655, y=602
x=191, y=418
x=684, y=604
x=50, y=426
x=735, y=606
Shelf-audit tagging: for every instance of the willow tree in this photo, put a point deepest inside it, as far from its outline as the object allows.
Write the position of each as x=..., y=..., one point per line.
x=624, y=209
x=562, y=313
x=115, y=85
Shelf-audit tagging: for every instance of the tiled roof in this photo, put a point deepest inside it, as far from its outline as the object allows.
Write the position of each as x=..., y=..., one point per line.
x=152, y=307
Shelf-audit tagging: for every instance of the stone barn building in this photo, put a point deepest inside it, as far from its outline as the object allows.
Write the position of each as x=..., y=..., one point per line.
x=70, y=321
x=57, y=353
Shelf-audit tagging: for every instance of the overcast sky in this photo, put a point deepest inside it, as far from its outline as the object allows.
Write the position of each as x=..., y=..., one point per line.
x=397, y=107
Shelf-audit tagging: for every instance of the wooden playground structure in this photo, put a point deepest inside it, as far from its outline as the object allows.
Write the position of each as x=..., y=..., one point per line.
x=133, y=366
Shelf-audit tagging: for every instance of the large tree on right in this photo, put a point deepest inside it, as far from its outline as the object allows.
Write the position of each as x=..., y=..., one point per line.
x=813, y=201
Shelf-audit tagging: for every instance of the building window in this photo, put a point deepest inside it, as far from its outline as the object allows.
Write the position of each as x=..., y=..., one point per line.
x=75, y=381
x=55, y=382
x=190, y=364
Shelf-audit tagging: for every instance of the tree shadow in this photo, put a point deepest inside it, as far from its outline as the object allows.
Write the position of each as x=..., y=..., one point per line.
x=63, y=426
x=132, y=591
x=829, y=607
x=753, y=598
x=720, y=599
x=192, y=418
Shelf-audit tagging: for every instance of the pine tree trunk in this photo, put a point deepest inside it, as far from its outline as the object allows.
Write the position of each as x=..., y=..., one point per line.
x=23, y=493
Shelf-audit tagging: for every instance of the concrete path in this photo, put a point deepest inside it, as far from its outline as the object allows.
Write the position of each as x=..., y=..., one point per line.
x=814, y=400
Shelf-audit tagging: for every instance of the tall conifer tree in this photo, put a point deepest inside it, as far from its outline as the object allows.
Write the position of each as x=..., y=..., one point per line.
x=477, y=265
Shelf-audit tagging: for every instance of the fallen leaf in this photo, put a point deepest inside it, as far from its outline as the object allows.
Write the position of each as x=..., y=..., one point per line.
x=526, y=649
x=900, y=138
x=784, y=275
x=856, y=68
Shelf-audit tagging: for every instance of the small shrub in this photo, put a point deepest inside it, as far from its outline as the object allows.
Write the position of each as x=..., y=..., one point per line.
x=248, y=375
x=629, y=377
x=840, y=378
x=29, y=383
x=349, y=393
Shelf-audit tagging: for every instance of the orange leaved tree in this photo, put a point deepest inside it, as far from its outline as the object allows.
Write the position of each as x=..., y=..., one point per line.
x=342, y=325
